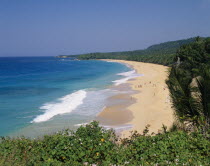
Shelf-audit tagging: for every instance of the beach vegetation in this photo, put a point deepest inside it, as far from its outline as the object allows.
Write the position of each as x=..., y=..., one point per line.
x=189, y=85
x=92, y=144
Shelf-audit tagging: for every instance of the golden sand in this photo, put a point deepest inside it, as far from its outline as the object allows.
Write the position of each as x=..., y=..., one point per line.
x=152, y=104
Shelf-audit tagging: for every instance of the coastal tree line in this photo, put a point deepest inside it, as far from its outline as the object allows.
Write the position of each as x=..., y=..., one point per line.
x=163, y=53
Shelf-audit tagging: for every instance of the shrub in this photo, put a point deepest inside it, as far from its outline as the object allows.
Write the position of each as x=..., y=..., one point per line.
x=92, y=144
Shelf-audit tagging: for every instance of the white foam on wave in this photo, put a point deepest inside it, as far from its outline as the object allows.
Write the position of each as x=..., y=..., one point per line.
x=128, y=75
x=64, y=105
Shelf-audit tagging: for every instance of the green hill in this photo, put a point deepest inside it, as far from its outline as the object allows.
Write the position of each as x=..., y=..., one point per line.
x=162, y=53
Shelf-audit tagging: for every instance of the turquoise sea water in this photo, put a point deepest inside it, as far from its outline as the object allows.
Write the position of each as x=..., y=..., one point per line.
x=45, y=94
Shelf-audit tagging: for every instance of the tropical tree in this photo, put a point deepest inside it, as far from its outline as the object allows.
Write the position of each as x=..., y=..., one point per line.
x=189, y=84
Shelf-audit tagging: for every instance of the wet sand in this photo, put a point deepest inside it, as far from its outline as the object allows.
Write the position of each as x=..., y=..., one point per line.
x=116, y=108
x=148, y=104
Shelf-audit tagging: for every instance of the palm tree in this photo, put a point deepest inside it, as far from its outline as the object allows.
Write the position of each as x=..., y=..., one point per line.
x=204, y=95
x=185, y=105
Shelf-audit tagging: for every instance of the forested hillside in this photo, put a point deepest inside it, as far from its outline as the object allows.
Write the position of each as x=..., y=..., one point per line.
x=160, y=53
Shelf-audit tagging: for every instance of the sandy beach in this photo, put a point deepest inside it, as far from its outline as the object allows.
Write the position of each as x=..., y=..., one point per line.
x=150, y=104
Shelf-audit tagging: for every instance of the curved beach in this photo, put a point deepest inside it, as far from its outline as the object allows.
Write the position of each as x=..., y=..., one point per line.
x=151, y=106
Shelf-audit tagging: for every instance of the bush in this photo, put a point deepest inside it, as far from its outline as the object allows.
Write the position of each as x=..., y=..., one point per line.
x=91, y=144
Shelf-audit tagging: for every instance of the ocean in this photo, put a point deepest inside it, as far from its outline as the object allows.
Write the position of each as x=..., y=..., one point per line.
x=41, y=95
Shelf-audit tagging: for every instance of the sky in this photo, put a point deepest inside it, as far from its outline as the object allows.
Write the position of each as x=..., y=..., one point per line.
x=57, y=27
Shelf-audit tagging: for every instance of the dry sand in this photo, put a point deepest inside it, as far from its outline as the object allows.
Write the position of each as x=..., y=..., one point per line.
x=152, y=104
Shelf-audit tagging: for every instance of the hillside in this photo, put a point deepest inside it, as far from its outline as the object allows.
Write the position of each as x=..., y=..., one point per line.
x=162, y=53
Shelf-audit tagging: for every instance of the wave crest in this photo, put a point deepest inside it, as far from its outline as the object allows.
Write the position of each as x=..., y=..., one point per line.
x=64, y=105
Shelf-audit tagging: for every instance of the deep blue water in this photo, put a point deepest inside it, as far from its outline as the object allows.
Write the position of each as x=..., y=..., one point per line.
x=30, y=87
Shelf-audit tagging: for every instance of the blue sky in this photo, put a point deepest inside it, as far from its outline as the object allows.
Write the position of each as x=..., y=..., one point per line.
x=53, y=27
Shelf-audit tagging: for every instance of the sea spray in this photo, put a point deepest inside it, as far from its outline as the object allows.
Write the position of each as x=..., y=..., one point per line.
x=64, y=105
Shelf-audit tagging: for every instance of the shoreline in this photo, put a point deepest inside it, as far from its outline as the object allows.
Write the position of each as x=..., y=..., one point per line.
x=122, y=109
x=151, y=101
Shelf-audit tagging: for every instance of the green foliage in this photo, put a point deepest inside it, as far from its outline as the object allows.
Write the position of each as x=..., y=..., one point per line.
x=189, y=84
x=207, y=47
x=181, y=92
x=88, y=144
x=91, y=144
x=173, y=148
x=193, y=53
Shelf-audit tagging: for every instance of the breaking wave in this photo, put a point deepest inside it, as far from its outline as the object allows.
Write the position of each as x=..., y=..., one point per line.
x=64, y=105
